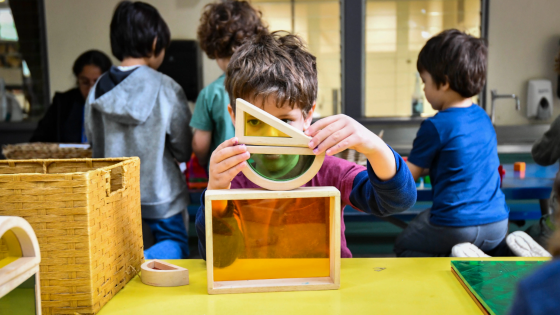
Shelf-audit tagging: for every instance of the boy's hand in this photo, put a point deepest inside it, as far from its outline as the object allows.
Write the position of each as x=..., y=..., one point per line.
x=226, y=162
x=337, y=133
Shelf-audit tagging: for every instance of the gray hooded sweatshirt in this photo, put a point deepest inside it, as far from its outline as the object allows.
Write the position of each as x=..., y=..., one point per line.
x=145, y=115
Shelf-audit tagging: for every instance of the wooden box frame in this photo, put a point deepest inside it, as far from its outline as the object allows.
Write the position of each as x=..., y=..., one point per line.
x=272, y=285
x=297, y=143
x=18, y=271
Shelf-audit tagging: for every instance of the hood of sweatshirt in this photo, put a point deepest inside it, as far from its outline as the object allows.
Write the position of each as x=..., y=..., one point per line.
x=122, y=99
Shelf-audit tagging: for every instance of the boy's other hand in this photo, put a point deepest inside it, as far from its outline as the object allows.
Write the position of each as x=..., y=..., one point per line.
x=226, y=162
x=337, y=133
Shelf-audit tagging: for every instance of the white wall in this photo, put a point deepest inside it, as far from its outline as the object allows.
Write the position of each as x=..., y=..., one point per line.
x=74, y=26
x=523, y=42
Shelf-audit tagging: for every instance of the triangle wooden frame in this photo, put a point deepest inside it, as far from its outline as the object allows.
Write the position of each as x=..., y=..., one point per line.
x=297, y=137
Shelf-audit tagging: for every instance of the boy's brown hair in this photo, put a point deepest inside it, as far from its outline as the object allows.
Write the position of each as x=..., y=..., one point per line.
x=276, y=65
x=455, y=57
x=225, y=25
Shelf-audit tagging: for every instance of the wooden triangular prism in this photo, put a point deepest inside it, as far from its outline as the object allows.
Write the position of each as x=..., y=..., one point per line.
x=291, y=137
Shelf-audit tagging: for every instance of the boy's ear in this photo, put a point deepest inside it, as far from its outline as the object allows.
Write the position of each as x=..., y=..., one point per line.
x=231, y=114
x=154, y=47
x=309, y=118
x=444, y=86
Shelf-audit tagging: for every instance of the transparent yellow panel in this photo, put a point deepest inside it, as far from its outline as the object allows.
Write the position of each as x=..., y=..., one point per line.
x=21, y=300
x=10, y=248
x=271, y=238
x=254, y=127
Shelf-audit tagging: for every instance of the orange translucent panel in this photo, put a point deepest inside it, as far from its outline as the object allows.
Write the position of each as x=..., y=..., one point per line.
x=271, y=238
x=255, y=127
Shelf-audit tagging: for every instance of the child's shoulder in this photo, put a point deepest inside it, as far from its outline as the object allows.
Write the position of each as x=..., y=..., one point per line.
x=460, y=118
x=213, y=90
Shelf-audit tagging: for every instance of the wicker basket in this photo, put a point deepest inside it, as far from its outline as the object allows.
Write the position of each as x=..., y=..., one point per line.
x=40, y=150
x=86, y=214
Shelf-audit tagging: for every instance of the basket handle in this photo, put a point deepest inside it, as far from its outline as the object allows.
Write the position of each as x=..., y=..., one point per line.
x=116, y=181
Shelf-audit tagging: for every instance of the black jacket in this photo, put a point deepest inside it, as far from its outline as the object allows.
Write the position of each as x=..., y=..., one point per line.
x=64, y=119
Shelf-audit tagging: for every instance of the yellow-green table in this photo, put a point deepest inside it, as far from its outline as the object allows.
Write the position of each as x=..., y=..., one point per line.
x=368, y=286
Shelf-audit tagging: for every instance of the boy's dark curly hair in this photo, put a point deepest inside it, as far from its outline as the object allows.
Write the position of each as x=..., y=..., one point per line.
x=225, y=25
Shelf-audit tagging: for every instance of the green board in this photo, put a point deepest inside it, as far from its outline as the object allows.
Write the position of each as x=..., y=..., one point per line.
x=494, y=283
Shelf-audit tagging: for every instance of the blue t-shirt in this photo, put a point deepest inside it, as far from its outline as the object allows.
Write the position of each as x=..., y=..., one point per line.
x=459, y=147
x=538, y=293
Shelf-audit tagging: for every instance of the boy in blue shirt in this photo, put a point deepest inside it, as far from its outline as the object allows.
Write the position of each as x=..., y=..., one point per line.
x=224, y=26
x=458, y=148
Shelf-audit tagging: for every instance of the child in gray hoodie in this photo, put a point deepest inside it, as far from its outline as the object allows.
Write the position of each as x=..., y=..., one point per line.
x=133, y=110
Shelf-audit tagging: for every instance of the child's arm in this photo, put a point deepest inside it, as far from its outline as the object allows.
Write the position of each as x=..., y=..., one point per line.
x=201, y=145
x=382, y=198
x=546, y=150
x=417, y=171
x=179, y=134
x=340, y=132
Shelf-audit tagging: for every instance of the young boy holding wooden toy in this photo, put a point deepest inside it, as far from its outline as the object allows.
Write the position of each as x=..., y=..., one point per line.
x=277, y=74
x=134, y=110
x=458, y=148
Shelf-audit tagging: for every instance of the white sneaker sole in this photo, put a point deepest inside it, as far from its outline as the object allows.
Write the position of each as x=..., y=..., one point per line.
x=467, y=250
x=522, y=245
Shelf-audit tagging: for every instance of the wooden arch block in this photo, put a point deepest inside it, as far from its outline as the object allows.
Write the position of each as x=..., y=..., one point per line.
x=290, y=141
x=161, y=274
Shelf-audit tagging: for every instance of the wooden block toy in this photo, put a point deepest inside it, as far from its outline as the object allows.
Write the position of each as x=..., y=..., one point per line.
x=271, y=143
x=161, y=274
x=263, y=241
x=20, y=291
x=519, y=166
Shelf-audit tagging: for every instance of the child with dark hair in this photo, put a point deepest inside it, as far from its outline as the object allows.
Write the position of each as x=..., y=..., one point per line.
x=133, y=110
x=224, y=26
x=275, y=72
x=458, y=148
x=64, y=120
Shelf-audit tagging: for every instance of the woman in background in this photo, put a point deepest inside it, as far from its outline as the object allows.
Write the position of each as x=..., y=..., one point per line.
x=64, y=120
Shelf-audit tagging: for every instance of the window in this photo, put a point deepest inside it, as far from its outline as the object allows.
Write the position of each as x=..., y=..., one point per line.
x=395, y=33
x=318, y=23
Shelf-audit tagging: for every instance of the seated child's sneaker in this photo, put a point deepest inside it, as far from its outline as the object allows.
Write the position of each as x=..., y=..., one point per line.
x=521, y=244
x=467, y=250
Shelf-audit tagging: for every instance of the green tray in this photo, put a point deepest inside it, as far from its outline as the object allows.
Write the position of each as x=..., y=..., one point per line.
x=493, y=283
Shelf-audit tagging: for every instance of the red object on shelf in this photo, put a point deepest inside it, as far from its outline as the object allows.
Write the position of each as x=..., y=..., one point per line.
x=195, y=174
x=502, y=174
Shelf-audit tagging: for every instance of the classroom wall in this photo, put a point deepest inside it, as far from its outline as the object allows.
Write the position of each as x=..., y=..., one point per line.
x=523, y=42
x=74, y=26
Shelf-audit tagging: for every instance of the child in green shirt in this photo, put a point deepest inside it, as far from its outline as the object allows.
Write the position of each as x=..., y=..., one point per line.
x=224, y=26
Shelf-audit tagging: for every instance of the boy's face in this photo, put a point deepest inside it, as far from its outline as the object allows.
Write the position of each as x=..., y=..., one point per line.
x=275, y=165
x=434, y=94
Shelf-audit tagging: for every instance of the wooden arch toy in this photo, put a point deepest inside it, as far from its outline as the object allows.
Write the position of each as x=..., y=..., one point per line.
x=19, y=266
x=282, y=139
x=161, y=274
